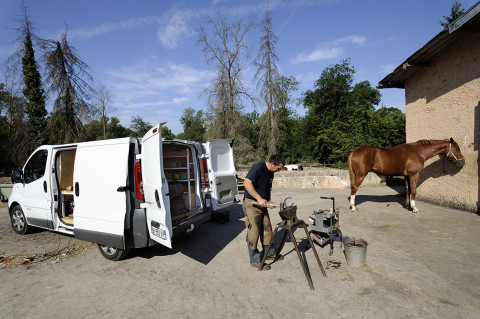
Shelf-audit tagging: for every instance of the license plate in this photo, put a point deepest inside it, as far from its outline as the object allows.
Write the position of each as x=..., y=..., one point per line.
x=159, y=233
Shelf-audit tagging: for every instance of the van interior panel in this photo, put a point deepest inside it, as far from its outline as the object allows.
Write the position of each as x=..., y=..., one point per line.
x=180, y=172
x=65, y=168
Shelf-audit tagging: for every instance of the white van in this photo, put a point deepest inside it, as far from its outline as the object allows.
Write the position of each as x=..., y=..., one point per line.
x=123, y=193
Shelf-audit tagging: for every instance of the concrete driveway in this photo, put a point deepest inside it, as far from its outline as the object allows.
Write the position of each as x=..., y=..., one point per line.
x=417, y=266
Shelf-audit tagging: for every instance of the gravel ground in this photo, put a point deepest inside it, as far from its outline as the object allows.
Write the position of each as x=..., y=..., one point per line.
x=417, y=266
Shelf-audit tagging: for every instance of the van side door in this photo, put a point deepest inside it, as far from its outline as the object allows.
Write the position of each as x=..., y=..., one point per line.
x=155, y=188
x=100, y=180
x=221, y=172
x=36, y=190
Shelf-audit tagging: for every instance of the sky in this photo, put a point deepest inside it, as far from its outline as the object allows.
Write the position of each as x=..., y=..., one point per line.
x=147, y=54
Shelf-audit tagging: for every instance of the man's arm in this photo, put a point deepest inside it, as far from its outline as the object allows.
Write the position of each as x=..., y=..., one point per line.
x=251, y=190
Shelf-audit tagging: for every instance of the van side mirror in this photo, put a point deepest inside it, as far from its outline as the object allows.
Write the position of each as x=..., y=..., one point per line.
x=16, y=176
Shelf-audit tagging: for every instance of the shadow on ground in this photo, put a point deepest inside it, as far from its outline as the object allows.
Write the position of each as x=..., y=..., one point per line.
x=204, y=243
x=394, y=198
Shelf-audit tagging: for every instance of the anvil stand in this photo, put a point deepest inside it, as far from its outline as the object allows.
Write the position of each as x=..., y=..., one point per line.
x=289, y=223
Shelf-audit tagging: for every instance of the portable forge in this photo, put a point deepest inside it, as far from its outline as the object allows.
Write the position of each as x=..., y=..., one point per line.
x=325, y=226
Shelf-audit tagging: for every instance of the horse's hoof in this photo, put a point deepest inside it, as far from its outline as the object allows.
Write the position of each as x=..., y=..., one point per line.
x=354, y=210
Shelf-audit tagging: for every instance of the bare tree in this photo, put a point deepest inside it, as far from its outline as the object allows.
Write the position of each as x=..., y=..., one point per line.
x=225, y=48
x=219, y=114
x=65, y=76
x=104, y=99
x=267, y=81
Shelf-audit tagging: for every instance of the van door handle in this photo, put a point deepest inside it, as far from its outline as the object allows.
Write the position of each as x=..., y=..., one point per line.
x=157, y=199
x=218, y=181
x=123, y=188
x=77, y=189
x=45, y=186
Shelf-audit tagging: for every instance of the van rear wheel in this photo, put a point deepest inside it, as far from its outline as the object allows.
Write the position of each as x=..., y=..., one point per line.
x=112, y=253
x=19, y=221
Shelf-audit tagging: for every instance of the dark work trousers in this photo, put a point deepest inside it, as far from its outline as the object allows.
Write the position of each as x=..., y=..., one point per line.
x=258, y=226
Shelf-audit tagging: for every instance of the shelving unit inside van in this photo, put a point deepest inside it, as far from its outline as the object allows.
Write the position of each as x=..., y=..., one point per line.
x=179, y=171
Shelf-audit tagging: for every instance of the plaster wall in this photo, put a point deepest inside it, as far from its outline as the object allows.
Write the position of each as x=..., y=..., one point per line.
x=443, y=101
x=324, y=178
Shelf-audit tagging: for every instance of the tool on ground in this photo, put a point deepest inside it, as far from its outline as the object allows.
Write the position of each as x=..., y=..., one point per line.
x=325, y=226
x=289, y=223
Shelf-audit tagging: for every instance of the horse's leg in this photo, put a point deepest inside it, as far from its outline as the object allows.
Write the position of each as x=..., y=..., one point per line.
x=354, y=185
x=413, y=191
x=407, y=191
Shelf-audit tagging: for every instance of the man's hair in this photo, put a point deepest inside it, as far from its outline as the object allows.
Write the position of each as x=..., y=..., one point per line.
x=277, y=159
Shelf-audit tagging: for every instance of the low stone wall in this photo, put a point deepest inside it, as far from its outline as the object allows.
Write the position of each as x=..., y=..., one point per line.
x=319, y=178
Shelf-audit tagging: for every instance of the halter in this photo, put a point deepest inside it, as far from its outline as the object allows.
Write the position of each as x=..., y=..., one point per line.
x=450, y=152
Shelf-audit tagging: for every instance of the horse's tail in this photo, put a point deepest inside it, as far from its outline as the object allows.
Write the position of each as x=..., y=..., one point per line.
x=351, y=171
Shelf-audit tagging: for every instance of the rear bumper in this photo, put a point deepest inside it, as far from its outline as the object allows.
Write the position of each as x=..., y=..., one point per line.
x=195, y=220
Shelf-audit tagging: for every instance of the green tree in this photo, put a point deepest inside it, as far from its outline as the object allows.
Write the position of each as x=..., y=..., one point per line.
x=326, y=104
x=287, y=118
x=113, y=129
x=389, y=127
x=11, y=101
x=342, y=117
x=14, y=142
x=251, y=128
x=33, y=92
x=193, y=125
x=455, y=12
x=68, y=78
x=167, y=133
x=139, y=126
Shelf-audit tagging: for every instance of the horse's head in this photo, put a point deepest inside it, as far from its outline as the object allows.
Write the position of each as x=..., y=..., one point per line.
x=454, y=154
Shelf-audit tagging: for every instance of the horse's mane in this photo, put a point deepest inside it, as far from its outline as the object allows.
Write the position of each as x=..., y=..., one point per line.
x=428, y=142
x=424, y=142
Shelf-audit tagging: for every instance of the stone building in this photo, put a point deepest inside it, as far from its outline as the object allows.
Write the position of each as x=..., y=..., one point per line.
x=442, y=97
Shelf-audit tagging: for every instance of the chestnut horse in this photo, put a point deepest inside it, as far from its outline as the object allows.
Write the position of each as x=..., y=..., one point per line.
x=402, y=160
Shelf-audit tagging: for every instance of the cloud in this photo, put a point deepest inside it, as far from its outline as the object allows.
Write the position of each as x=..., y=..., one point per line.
x=107, y=28
x=330, y=50
x=172, y=32
x=355, y=39
x=317, y=55
x=156, y=103
x=387, y=68
x=150, y=82
x=173, y=26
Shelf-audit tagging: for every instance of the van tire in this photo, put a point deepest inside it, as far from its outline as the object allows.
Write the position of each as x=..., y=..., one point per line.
x=112, y=253
x=19, y=221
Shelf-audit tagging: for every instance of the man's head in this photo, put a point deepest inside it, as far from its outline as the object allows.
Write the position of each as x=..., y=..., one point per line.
x=275, y=163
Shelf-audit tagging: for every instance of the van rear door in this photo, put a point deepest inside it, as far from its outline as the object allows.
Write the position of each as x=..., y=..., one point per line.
x=100, y=177
x=221, y=172
x=155, y=188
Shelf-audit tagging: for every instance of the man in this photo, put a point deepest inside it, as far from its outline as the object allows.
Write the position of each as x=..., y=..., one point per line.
x=258, y=184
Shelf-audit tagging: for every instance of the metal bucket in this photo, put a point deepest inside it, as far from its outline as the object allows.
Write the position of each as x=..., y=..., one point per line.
x=355, y=252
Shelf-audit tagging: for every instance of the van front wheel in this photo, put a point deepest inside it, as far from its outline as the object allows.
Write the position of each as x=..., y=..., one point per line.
x=112, y=253
x=19, y=221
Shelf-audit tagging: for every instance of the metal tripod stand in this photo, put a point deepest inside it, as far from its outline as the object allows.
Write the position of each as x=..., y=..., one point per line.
x=289, y=223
